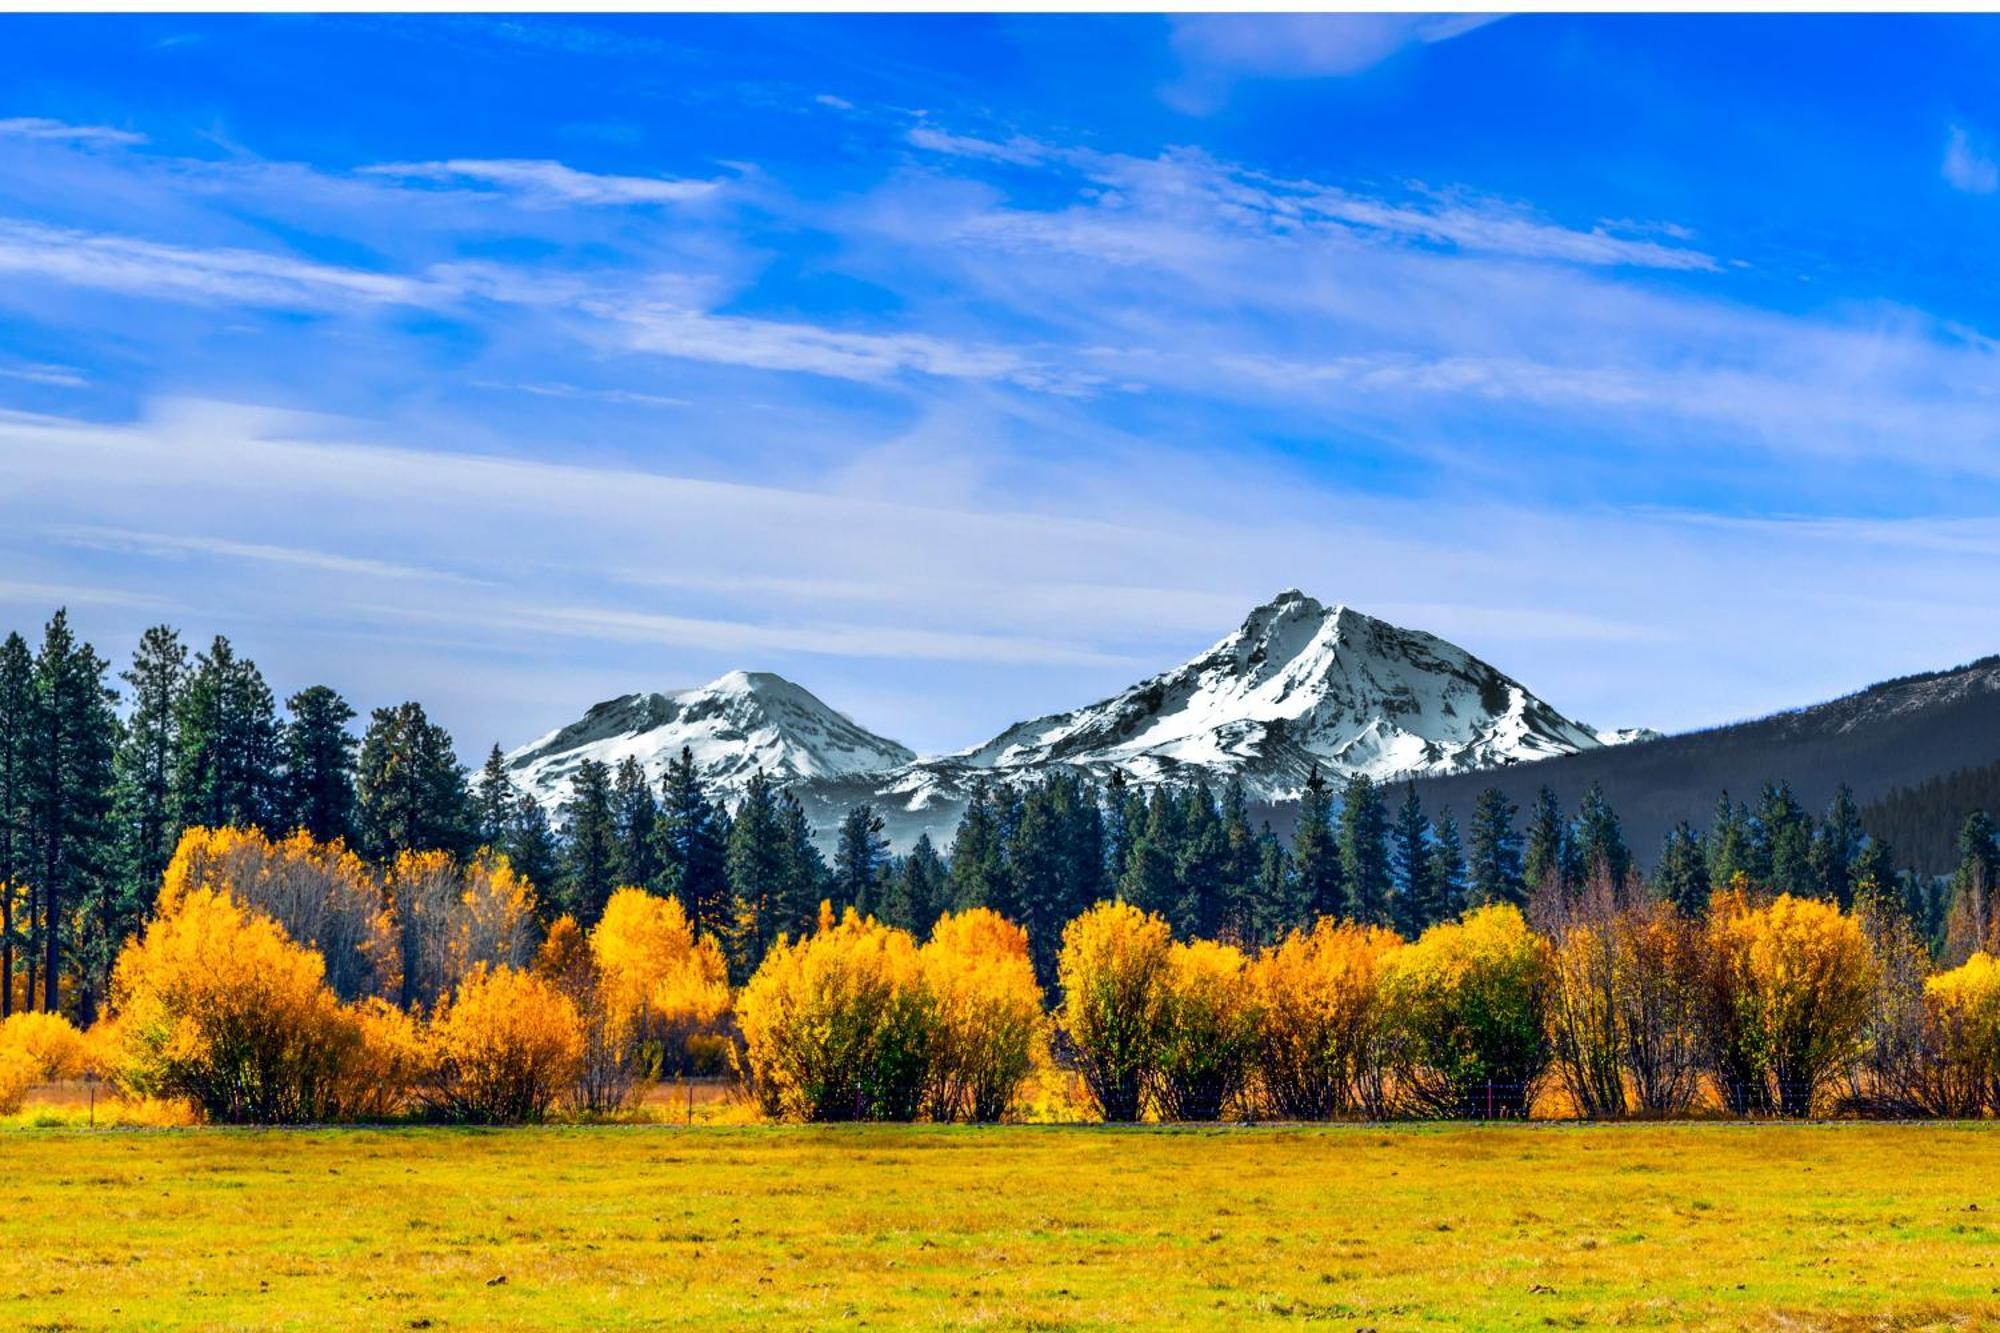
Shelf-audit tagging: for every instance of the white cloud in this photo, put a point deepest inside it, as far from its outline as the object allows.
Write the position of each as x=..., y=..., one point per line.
x=588, y=578
x=168, y=545
x=1311, y=45
x=1216, y=49
x=1019, y=150
x=38, y=127
x=778, y=345
x=62, y=377
x=148, y=268
x=552, y=183
x=1969, y=167
x=1182, y=181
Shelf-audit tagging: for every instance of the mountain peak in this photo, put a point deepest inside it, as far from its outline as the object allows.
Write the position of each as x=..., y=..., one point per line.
x=736, y=725
x=1301, y=684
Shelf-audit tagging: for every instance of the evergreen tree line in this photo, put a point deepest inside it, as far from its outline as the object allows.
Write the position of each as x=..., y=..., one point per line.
x=92, y=806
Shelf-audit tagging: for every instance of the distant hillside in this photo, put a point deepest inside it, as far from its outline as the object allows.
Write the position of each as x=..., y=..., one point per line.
x=1898, y=734
x=1922, y=822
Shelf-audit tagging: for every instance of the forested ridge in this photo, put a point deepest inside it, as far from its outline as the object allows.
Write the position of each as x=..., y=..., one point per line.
x=93, y=799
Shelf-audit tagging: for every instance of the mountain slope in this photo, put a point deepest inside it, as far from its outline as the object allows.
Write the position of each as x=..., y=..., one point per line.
x=1300, y=683
x=1895, y=734
x=734, y=726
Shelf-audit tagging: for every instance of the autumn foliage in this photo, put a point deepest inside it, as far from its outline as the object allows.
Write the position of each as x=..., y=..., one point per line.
x=988, y=1026
x=1113, y=971
x=1322, y=1030
x=504, y=1046
x=1468, y=1001
x=286, y=981
x=216, y=1004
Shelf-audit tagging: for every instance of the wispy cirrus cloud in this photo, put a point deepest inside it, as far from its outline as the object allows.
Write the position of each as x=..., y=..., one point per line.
x=225, y=273
x=1968, y=165
x=1218, y=49
x=40, y=127
x=551, y=184
x=1249, y=198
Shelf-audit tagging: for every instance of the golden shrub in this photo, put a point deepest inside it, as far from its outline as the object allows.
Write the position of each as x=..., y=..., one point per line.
x=321, y=894
x=1585, y=1019
x=504, y=1046
x=18, y=1072
x=1962, y=1022
x=1113, y=975
x=1208, y=1031
x=389, y=1060
x=51, y=1041
x=1321, y=1048
x=607, y=1069
x=662, y=986
x=1466, y=1002
x=990, y=1028
x=1793, y=987
x=1658, y=997
x=214, y=1003
x=839, y=1025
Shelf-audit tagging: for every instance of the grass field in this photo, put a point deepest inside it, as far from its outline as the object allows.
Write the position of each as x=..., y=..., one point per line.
x=1845, y=1225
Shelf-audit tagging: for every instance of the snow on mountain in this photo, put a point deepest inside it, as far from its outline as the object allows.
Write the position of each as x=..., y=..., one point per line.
x=1298, y=684
x=1301, y=684
x=733, y=726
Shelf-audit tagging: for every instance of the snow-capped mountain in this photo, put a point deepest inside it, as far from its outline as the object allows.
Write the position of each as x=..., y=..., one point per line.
x=733, y=726
x=1300, y=684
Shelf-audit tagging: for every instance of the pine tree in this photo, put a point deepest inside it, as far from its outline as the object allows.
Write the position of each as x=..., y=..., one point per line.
x=17, y=725
x=1242, y=864
x=1152, y=881
x=1600, y=841
x=1781, y=838
x=1836, y=846
x=493, y=797
x=1682, y=875
x=1087, y=880
x=1973, y=918
x=590, y=844
x=860, y=862
x=1201, y=900
x=532, y=849
x=1730, y=852
x=1276, y=909
x=635, y=823
x=144, y=805
x=1448, y=867
x=807, y=880
x=1545, y=862
x=1053, y=853
x=318, y=750
x=70, y=835
x=759, y=877
x=1417, y=904
x=1322, y=887
x=1874, y=878
x=1494, y=868
x=1124, y=820
x=410, y=793
x=693, y=834
x=978, y=859
x=226, y=765
x=915, y=895
x=1364, y=852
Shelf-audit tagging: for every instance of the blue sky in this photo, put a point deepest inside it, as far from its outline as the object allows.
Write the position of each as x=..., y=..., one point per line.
x=968, y=368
